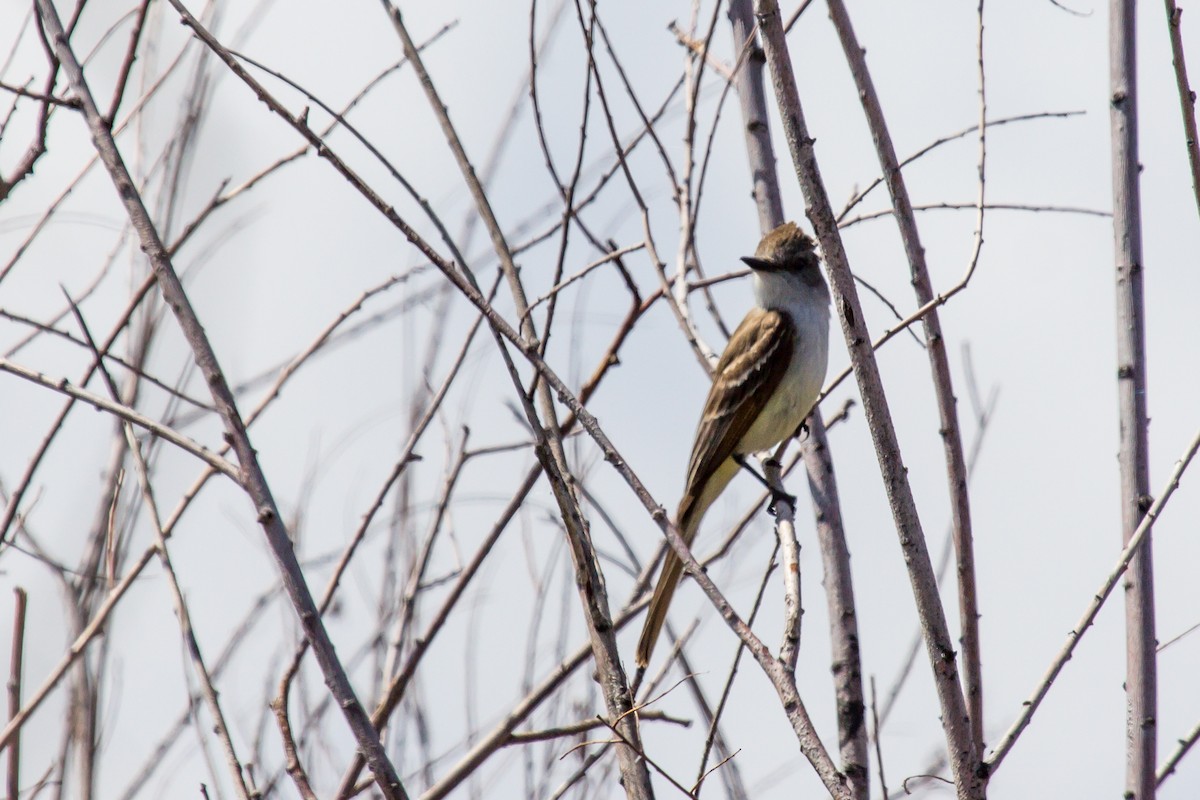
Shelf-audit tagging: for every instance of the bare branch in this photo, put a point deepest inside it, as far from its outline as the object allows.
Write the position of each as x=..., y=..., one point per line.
x=16, y=664
x=1141, y=664
x=1185, y=744
x=1187, y=98
x=63, y=386
x=1140, y=535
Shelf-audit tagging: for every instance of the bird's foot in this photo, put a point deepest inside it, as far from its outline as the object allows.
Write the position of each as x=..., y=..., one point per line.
x=777, y=494
x=776, y=497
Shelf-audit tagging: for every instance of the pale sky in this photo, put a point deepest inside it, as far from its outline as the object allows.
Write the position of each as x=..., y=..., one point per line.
x=275, y=267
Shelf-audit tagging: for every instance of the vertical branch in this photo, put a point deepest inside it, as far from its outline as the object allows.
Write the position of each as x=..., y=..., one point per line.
x=1141, y=726
x=939, y=363
x=843, y=616
x=752, y=97
x=818, y=461
x=14, y=692
x=964, y=759
x=253, y=479
x=789, y=557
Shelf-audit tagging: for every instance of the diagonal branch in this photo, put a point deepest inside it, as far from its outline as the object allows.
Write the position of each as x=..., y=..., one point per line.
x=1187, y=98
x=956, y=467
x=1140, y=534
x=964, y=758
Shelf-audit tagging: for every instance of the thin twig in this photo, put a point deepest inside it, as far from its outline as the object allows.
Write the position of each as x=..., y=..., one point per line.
x=607, y=257
x=573, y=729
x=878, y=744
x=65, y=387
x=936, y=143
x=16, y=664
x=1185, y=744
x=1140, y=534
x=974, y=206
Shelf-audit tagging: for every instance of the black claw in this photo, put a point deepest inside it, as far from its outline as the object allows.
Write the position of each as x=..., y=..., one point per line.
x=776, y=496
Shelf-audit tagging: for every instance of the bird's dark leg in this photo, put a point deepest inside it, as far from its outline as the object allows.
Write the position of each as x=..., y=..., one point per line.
x=776, y=494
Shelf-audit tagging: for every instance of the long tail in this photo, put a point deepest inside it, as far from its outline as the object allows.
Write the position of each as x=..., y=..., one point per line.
x=691, y=511
x=672, y=571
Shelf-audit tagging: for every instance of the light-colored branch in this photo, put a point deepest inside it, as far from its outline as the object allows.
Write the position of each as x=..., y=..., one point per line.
x=789, y=557
x=1185, y=744
x=16, y=664
x=63, y=386
x=1141, y=665
x=1140, y=535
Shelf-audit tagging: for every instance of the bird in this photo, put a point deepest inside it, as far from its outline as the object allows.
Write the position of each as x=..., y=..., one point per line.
x=763, y=388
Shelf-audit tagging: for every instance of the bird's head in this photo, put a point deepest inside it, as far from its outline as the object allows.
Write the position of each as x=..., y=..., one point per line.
x=787, y=250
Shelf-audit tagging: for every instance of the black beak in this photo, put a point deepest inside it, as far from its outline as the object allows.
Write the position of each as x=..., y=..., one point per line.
x=759, y=264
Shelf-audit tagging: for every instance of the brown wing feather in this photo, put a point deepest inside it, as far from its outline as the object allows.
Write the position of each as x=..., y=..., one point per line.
x=745, y=378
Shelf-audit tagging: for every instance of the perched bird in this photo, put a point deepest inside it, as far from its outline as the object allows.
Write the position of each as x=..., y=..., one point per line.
x=763, y=388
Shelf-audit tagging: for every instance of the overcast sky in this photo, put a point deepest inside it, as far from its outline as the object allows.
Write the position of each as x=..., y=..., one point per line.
x=271, y=270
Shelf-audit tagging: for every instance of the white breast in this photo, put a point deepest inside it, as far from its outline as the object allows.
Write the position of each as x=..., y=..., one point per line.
x=808, y=307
